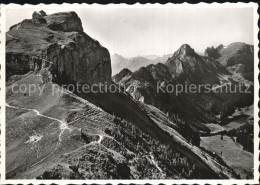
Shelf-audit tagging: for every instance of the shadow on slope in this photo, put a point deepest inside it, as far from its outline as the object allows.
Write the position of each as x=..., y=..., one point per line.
x=123, y=106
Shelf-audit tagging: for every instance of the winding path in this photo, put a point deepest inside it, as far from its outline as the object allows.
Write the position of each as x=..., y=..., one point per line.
x=63, y=125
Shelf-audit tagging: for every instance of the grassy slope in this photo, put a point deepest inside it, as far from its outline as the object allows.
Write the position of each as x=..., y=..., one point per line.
x=68, y=108
x=233, y=154
x=22, y=159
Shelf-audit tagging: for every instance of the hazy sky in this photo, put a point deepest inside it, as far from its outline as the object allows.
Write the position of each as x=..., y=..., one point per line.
x=137, y=31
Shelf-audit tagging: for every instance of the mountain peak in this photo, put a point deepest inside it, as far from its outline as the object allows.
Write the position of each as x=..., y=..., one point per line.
x=185, y=46
x=185, y=49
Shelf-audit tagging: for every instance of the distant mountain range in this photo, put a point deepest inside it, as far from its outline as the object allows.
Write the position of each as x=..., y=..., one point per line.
x=119, y=62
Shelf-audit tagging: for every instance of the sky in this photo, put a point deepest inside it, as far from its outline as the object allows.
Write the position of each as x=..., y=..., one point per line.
x=156, y=31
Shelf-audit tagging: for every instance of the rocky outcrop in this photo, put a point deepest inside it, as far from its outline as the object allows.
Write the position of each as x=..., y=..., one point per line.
x=123, y=73
x=212, y=52
x=37, y=15
x=57, y=43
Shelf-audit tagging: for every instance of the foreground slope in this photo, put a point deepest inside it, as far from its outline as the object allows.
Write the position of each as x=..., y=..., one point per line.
x=60, y=136
x=41, y=127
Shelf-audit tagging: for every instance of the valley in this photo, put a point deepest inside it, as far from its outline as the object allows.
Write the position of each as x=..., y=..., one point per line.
x=227, y=147
x=232, y=153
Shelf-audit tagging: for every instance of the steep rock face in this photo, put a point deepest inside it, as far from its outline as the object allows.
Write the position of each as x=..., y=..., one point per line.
x=57, y=43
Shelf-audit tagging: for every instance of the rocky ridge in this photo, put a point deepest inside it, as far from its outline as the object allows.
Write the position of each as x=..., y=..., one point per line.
x=187, y=67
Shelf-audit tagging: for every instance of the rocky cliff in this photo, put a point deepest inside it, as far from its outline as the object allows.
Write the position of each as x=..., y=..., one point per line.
x=57, y=43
